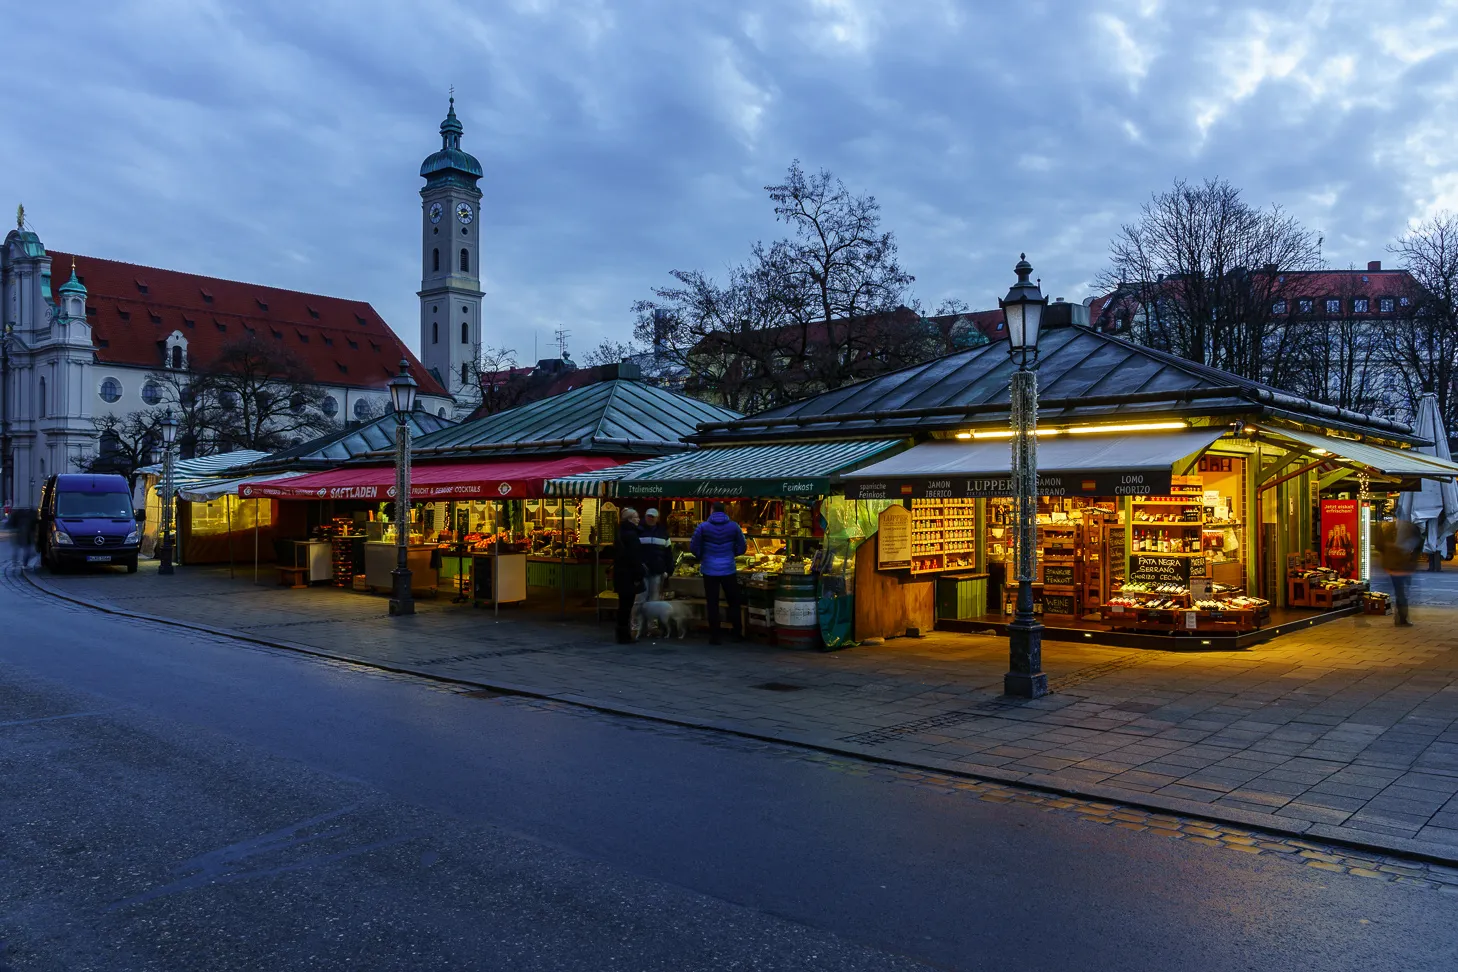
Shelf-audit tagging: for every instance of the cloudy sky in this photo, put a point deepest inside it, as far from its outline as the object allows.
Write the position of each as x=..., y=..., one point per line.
x=278, y=141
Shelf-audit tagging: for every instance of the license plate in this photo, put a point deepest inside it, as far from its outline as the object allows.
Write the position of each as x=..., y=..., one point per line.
x=98, y=558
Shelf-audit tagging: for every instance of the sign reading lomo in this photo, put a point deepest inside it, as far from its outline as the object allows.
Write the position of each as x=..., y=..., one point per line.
x=1149, y=482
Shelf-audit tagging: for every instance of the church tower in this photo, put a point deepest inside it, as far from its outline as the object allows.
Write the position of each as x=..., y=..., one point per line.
x=450, y=253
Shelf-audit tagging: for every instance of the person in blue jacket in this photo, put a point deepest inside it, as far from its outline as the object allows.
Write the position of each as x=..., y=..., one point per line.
x=716, y=542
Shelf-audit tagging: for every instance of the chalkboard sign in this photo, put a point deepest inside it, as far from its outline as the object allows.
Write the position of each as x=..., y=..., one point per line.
x=1058, y=575
x=1059, y=603
x=1164, y=569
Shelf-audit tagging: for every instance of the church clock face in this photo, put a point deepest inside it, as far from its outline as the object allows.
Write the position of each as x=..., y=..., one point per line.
x=464, y=214
x=436, y=210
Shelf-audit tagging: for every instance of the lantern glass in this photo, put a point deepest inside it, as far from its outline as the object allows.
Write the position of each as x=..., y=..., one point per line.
x=169, y=428
x=402, y=389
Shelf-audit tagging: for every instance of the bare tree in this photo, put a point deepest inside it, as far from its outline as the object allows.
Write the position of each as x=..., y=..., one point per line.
x=1207, y=272
x=127, y=443
x=1339, y=357
x=255, y=397
x=501, y=383
x=609, y=352
x=803, y=314
x=1424, y=343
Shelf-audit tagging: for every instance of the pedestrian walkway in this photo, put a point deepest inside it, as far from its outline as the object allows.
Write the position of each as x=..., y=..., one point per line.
x=1346, y=732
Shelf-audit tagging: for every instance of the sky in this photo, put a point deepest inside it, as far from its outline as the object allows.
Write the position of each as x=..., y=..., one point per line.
x=280, y=142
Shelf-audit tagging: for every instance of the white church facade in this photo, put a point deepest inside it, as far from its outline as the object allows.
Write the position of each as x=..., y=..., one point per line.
x=105, y=339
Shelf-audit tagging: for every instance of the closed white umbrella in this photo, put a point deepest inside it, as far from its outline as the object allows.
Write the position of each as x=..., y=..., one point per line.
x=1434, y=508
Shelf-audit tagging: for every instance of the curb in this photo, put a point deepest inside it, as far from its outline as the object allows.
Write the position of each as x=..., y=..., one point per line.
x=1270, y=823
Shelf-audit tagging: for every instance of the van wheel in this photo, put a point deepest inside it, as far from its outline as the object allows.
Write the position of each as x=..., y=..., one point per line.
x=132, y=566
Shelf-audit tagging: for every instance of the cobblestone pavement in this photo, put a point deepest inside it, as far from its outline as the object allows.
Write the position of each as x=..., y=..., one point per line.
x=1343, y=733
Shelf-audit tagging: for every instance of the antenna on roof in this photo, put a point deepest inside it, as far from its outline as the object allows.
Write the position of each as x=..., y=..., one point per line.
x=562, y=334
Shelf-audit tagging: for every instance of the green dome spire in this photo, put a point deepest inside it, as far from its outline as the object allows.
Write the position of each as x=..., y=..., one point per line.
x=73, y=286
x=451, y=164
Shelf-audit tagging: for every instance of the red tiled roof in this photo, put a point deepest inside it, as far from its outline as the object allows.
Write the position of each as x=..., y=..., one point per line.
x=342, y=342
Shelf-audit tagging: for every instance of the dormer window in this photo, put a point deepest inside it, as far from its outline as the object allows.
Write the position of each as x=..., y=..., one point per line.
x=155, y=317
x=1304, y=305
x=302, y=336
x=1279, y=307
x=141, y=287
x=124, y=314
x=361, y=320
x=1384, y=304
x=206, y=296
x=1359, y=305
x=262, y=304
x=176, y=360
x=312, y=312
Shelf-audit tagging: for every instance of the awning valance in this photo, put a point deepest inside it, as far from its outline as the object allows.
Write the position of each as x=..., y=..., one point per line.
x=1406, y=463
x=207, y=490
x=1135, y=464
x=802, y=469
x=504, y=479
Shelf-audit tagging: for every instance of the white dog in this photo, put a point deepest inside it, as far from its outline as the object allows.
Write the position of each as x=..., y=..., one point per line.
x=672, y=617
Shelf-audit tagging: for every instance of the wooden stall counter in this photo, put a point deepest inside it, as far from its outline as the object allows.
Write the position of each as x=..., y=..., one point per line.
x=379, y=566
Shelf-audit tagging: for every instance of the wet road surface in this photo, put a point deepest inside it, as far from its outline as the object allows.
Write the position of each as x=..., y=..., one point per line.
x=175, y=801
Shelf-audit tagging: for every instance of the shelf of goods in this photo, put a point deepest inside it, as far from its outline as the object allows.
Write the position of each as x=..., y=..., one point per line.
x=1169, y=525
x=943, y=535
x=1173, y=608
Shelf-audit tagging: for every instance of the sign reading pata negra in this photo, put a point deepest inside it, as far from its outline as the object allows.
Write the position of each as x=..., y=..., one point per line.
x=1165, y=569
x=1149, y=482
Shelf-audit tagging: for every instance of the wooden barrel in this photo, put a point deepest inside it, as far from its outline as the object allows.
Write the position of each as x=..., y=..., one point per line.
x=797, y=623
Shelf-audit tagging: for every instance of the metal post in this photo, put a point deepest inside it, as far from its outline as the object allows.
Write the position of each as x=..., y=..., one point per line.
x=1025, y=677
x=228, y=509
x=562, y=557
x=403, y=601
x=255, y=541
x=164, y=554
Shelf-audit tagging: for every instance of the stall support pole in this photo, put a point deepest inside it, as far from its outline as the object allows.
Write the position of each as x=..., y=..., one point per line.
x=403, y=602
x=228, y=508
x=1025, y=677
x=255, y=541
x=562, y=567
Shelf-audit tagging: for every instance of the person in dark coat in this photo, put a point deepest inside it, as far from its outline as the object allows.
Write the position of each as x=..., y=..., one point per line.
x=657, y=554
x=716, y=542
x=1398, y=543
x=627, y=572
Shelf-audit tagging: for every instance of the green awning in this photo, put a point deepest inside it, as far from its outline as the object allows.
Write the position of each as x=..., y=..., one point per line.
x=802, y=469
x=1392, y=462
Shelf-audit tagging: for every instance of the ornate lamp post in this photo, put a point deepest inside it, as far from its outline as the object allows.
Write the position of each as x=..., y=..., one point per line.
x=169, y=436
x=1023, y=310
x=402, y=397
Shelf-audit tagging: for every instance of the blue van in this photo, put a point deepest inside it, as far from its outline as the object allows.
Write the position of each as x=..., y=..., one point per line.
x=87, y=519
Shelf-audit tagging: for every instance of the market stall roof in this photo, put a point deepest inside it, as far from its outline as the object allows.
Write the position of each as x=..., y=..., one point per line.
x=204, y=466
x=620, y=416
x=1392, y=462
x=485, y=480
x=207, y=490
x=327, y=451
x=1134, y=464
x=782, y=469
x=1082, y=375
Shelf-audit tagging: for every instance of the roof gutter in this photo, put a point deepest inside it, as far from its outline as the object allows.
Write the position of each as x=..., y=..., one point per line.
x=1260, y=396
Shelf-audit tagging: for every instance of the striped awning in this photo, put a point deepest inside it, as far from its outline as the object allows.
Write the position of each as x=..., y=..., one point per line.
x=1392, y=462
x=800, y=469
x=207, y=490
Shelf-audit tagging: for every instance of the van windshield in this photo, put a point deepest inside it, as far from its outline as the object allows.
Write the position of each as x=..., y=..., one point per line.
x=114, y=506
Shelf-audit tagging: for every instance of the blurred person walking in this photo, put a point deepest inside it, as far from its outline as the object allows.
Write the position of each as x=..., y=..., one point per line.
x=1398, y=543
x=657, y=554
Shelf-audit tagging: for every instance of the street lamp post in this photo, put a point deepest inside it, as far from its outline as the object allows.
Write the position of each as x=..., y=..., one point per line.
x=402, y=397
x=1023, y=310
x=164, y=548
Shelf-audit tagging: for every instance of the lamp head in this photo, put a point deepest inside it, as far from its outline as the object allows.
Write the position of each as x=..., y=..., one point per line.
x=402, y=391
x=1022, y=308
x=169, y=428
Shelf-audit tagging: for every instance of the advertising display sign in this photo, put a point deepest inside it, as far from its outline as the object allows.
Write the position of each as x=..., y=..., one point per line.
x=893, y=538
x=1340, y=536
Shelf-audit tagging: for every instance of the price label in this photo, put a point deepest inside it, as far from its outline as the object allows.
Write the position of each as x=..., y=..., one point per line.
x=1192, y=619
x=1118, y=608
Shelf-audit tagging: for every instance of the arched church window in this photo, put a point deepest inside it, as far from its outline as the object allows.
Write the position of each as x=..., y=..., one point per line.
x=465, y=332
x=151, y=393
x=177, y=356
x=435, y=259
x=111, y=390
x=463, y=374
x=435, y=332
x=43, y=395
x=465, y=260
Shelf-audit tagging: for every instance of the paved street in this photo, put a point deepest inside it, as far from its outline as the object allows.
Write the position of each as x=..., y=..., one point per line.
x=1344, y=732
x=177, y=800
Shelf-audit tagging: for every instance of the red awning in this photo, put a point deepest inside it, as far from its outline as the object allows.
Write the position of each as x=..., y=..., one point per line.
x=501, y=479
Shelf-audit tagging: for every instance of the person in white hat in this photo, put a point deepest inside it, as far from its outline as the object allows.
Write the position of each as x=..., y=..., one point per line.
x=657, y=554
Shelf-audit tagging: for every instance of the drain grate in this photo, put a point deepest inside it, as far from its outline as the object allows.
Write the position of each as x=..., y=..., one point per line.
x=779, y=687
